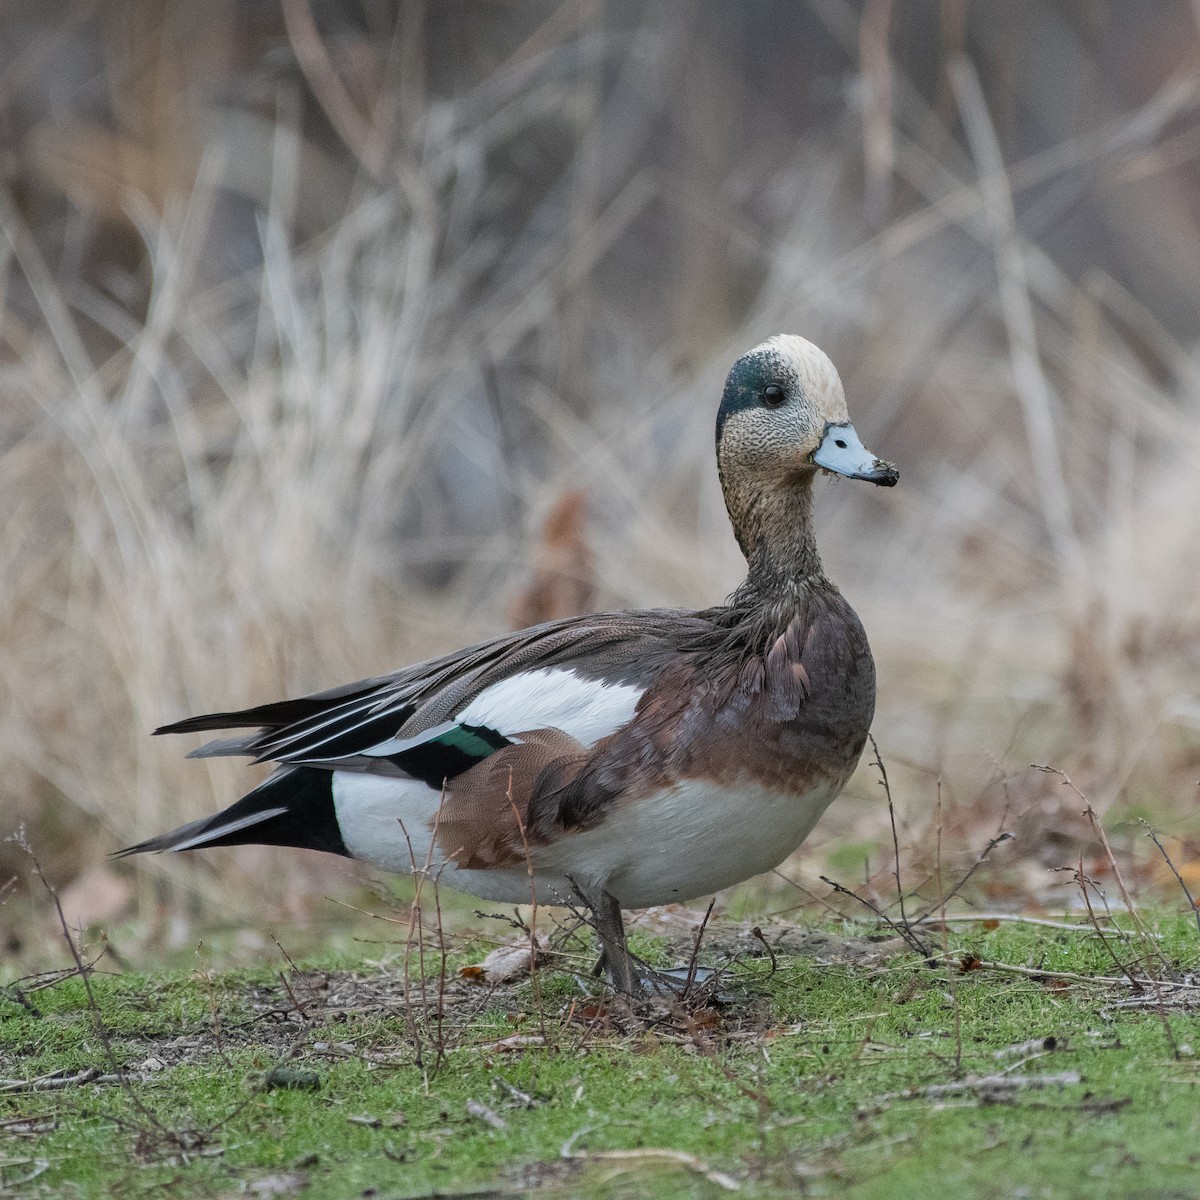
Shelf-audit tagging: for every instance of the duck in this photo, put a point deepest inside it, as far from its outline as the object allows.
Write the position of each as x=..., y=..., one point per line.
x=615, y=760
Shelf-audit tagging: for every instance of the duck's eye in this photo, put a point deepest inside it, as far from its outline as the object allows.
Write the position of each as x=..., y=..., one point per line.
x=773, y=395
x=840, y=443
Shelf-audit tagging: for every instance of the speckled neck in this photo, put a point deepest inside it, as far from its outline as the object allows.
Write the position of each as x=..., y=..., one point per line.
x=774, y=528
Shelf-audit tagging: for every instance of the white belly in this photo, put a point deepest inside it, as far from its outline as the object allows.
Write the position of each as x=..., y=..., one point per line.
x=690, y=840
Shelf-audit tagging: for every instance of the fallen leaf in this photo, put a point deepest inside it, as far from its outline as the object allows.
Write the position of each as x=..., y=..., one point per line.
x=505, y=962
x=590, y=1012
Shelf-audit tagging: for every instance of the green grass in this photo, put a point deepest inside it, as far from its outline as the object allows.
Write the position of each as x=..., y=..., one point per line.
x=812, y=1079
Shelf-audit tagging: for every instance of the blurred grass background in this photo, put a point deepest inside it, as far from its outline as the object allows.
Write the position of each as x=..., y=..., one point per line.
x=336, y=334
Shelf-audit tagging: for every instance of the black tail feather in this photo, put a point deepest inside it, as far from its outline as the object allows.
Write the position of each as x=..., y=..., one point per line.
x=267, y=716
x=277, y=714
x=294, y=807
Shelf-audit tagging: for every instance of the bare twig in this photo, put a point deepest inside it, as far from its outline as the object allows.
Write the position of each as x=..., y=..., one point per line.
x=691, y=971
x=1153, y=836
x=1155, y=987
x=214, y=1011
x=485, y=1115
x=44, y=979
x=416, y=929
x=1075, y=977
x=1083, y=882
x=534, y=981
x=56, y=1081
x=1098, y=829
x=679, y=1157
x=989, y=1087
x=443, y=953
x=951, y=976
x=962, y=883
x=757, y=934
x=804, y=892
x=1034, y=1047
x=525, y=1099
x=887, y=790
x=1001, y=917
x=297, y=1007
x=153, y=1127
x=903, y=931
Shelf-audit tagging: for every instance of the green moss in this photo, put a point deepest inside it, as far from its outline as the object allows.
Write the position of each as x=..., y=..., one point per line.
x=816, y=1078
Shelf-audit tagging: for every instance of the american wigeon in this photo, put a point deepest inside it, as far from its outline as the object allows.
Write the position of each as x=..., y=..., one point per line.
x=623, y=759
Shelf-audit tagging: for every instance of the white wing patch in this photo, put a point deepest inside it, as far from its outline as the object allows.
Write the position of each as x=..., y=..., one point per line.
x=553, y=698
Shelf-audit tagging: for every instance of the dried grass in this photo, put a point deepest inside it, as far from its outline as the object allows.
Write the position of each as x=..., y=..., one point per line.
x=224, y=485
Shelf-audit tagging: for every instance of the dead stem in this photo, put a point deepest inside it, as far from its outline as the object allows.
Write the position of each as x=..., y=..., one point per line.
x=1010, y=918
x=958, y=887
x=1075, y=977
x=214, y=1012
x=1083, y=881
x=691, y=972
x=679, y=1157
x=440, y=1014
x=758, y=935
x=533, y=909
x=1153, y=836
x=951, y=976
x=806, y=893
x=902, y=931
x=1098, y=829
x=414, y=924
x=887, y=790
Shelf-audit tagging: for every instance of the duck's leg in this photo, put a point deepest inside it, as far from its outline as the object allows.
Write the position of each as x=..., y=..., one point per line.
x=610, y=929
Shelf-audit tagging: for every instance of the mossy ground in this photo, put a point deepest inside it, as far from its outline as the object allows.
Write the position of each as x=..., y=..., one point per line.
x=813, y=1077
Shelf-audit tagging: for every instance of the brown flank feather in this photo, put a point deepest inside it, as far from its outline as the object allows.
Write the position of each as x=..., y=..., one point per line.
x=748, y=700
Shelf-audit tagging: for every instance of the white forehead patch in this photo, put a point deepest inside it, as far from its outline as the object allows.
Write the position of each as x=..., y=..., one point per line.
x=815, y=372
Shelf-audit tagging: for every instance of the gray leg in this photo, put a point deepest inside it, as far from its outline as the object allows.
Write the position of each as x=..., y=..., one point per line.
x=610, y=929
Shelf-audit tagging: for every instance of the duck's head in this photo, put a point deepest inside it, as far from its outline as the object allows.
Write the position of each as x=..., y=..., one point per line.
x=783, y=417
